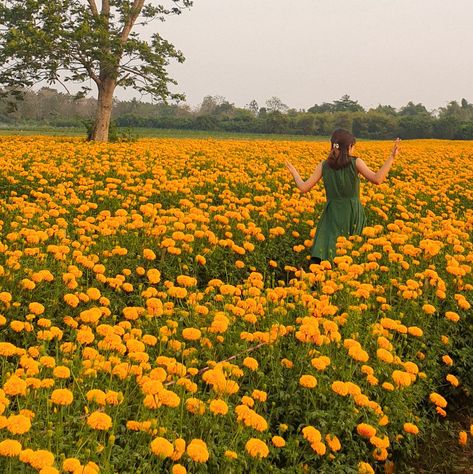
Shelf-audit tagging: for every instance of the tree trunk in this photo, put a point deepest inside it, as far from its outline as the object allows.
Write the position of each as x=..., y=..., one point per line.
x=104, y=111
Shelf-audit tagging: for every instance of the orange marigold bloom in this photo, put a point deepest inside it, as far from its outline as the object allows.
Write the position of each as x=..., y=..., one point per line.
x=278, y=441
x=251, y=363
x=197, y=450
x=62, y=396
x=438, y=400
x=10, y=448
x=256, y=448
x=410, y=428
x=453, y=380
x=218, y=407
x=462, y=438
x=18, y=424
x=61, y=372
x=366, y=430
x=452, y=316
x=311, y=434
x=308, y=381
x=365, y=468
x=333, y=442
x=99, y=421
x=162, y=447
x=191, y=334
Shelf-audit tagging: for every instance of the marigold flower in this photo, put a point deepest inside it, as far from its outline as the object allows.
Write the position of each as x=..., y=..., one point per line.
x=10, y=448
x=308, y=381
x=62, y=396
x=71, y=464
x=178, y=469
x=278, y=441
x=256, y=448
x=311, y=434
x=333, y=442
x=197, y=450
x=438, y=400
x=365, y=430
x=15, y=386
x=251, y=363
x=410, y=428
x=191, y=334
x=365, y=468
x=161, y=447
x=218, y=407
x=99, y=421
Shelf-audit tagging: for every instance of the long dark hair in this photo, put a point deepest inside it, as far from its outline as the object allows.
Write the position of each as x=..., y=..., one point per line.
x=339, y=155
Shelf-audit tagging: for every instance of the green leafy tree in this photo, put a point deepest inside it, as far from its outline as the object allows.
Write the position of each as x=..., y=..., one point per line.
x=412, y=109
x=43, y=40
x=345, y=104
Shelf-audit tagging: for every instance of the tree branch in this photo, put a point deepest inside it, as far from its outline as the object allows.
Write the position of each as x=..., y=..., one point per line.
x=135, y=13
x=106, y=8
x=93, y=7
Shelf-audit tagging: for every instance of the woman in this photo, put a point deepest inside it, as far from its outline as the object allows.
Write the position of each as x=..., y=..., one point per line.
x=343, y=213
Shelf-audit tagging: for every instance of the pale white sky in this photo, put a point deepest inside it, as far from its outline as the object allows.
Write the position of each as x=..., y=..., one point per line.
x=313, y=51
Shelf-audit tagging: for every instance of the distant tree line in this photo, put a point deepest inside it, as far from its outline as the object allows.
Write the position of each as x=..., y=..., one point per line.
x=52, y=108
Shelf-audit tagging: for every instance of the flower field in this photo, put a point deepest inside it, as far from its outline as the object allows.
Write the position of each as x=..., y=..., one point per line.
x=158, y=312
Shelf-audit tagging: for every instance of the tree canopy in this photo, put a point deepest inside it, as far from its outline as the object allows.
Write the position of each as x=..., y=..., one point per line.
x=74, y=40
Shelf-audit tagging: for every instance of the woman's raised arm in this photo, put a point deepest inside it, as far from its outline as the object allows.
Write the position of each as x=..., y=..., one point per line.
x=380, y=175
x=305, y=186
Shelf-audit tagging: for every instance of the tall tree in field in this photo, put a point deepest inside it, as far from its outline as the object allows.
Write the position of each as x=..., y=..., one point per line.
x=88, y=40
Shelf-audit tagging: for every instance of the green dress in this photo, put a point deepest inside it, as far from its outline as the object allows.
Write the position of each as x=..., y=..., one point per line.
x=343, y=213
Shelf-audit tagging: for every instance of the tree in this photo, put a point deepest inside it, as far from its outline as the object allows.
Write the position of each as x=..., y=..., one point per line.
x=384, y=109
x=275, y=104
x=253, y=107
x=43, y=39
x=345, y=104
x=320, y=109
x=412, y=109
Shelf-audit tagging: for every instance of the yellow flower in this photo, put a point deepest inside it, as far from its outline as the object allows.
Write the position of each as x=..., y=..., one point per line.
x=308, y=381
x=410, y=428
x=197, y=450
x=71, y=464
x=218, y=407
x=453, y=380
x=278, y=441
x=365, y=468
x=462, y=438
x=191, y=334
x=311, y=434
x=251, y=363
x=178, y=469
x=61, y=372
x=256, y=448
x=438, y=400
x=10, y=448
x=161, y=447
x=365, y=430
x=99, y=421
x=62, y=396
x=333, y=442
x=15, y=386
x=452, y=316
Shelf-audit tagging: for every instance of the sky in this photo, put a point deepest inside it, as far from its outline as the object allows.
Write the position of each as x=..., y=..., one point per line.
x=308, y=52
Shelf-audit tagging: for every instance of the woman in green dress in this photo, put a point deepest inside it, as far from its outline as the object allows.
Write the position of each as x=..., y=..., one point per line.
x=343, y=213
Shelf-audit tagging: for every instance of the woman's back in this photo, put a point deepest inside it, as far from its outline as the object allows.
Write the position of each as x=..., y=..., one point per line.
x=343, y=183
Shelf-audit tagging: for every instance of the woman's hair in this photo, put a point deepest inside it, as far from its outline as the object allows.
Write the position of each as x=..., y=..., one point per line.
x=339, y=155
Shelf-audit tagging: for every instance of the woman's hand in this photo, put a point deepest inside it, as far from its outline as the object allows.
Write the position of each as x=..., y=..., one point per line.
x=395, y=149
x=290, y=167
